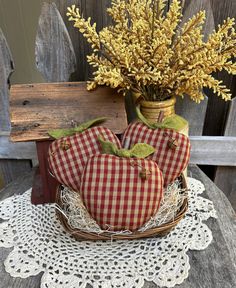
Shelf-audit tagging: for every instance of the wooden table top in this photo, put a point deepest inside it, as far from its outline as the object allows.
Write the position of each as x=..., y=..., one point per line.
x=37, y=108
x=214, y=267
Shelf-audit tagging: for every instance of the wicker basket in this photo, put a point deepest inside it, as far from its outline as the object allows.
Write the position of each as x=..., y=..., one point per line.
x=157, y=231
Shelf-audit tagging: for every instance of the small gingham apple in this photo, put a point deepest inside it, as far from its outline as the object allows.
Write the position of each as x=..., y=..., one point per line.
x=172, y=148
x=67, y=156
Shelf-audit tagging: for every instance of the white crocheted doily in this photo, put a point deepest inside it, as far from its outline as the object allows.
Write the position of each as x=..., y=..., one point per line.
x=41, y=245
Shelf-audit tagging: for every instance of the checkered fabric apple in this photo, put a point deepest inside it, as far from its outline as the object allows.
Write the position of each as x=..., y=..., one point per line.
x=121, y=193
x=68, y=155
x=172, y=148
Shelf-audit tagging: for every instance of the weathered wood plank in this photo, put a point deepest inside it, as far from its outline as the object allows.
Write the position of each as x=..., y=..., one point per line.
x=216, y=264
x=18, y=186
x=6, y=69
x=194, y=113
x=206, y=150
x=222, y=251
x=230, y=128
x=37, y=108
x=217, y=109
x=130, y=107
x=32, y=122
x=55, y=56
x=1, y=182
x=9, y=169
x=193, y=7
x=90, y=8
x=10, y=150
x=225, y=177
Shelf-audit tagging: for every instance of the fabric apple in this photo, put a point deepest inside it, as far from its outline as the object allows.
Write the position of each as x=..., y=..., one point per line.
x=68, y=156
x=121, y=193
x=172, y=148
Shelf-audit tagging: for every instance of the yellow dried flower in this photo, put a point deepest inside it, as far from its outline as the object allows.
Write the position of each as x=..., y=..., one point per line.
x=146, y=52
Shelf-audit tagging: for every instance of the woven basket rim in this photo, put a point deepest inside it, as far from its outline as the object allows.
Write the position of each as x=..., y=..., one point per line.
x=156, y=231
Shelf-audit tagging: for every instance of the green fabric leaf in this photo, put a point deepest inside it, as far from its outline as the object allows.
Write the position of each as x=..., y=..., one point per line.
x=108, y=147
x=142, y=150
x=58, y=133
x=139, y=150
x=124, y=153
x=174, y=122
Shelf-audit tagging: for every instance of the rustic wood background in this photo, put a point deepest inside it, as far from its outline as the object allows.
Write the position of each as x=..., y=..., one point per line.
x=9, y=168
x=61, y=56
x=217, y=109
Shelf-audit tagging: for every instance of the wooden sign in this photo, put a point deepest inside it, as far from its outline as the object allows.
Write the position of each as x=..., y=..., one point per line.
x=38, y=108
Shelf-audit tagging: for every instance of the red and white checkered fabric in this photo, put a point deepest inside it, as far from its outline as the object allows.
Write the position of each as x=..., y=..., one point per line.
x=172, y=162
x=116, y=196
x=69, y=155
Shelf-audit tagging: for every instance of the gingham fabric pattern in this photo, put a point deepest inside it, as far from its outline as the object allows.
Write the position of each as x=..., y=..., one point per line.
x=172, y=162
x=68, y=155
x=116, y=196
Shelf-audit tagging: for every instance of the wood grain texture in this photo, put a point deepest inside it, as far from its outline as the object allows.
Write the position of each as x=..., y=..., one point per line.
x=192, y=7
x=55, y=56
x=89, y=8
x=218, y=150
x=204, y=150
x=194, y=113
x=20, y=151
x=1, y=182
x=37, y=108
x=6, y=69
x=218, y=109
x=230, y=128
x=213, y=267
x=11, y=169
x=225, y=177
x=130, y=107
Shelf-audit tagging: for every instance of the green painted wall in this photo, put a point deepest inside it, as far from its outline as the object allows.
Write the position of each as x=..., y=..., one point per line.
x=18, y=21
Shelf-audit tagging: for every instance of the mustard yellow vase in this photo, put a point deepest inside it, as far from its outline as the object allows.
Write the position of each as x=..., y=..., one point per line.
x=157, y=111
